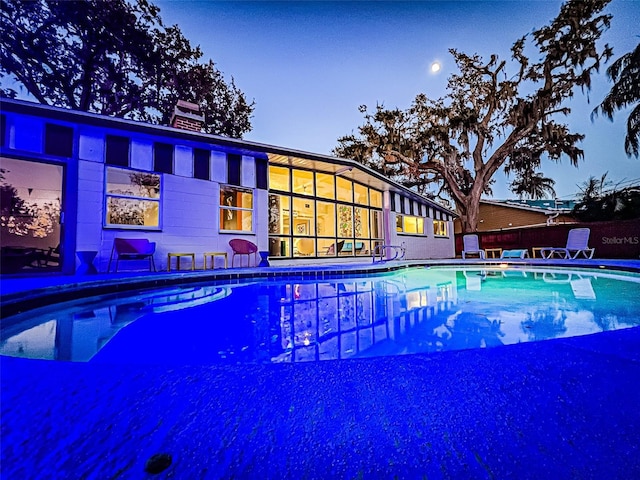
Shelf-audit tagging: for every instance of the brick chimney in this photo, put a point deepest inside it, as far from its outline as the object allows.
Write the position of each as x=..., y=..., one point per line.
x=187, y=116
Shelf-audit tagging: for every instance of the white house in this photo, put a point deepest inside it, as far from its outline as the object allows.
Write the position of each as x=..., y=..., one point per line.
x=73, y=181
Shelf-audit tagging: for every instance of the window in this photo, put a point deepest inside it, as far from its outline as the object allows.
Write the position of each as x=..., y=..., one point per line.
x=132, y=198
x=361, y=222
x=303, y=182
x=360, y=193
x=31, y=215
x=279, y=178
x=376, y=224
x=163, y=157
x=117, y=151
x=325, y=185
x=303, y=215
x=345, y=221
x=58, y=140
x=410, y=224
x=261, y=173
x=326, y=219
x=342, y=219
x=201, y=163
x=236, y=209
x=345, y=190
x=279, y=214
x=375, y=198
x=440, y=228
x=234, y=164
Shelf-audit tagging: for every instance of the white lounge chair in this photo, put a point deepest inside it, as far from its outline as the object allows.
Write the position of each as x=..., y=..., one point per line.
x=471, y=246
x=577, y=244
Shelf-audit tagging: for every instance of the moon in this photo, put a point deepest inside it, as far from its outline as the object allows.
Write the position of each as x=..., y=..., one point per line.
x=435, y=67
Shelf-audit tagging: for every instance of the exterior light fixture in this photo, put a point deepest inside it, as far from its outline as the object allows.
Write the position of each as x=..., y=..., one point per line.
x=342, y=170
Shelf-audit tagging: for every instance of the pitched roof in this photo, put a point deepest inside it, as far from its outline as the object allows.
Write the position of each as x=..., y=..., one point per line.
x=542, y=206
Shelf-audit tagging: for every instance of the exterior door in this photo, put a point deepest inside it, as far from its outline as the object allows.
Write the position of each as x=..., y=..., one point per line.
x=30, y=214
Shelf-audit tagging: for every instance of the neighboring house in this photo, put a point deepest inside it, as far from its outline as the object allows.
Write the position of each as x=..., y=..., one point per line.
x=506, y=214
x=73, y=181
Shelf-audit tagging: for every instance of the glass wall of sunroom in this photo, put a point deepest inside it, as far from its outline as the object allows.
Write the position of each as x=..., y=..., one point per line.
x=317, y=214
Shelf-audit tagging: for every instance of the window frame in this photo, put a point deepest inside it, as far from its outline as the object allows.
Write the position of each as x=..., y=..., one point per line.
x=444, y=226
x=282, y=245
x=222, y=208
x=58, y=140
x=400, y=225
x=108, y=195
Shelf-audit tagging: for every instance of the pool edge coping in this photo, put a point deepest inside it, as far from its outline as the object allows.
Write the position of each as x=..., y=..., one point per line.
x=22, y=300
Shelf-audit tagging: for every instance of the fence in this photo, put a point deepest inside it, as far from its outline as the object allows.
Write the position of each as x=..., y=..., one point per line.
x=619, y=239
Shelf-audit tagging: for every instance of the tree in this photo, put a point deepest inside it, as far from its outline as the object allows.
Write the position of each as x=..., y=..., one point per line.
x=489, y=121
x=533, y=185
x=114, y=58
x=598, y=204
x=625, y=73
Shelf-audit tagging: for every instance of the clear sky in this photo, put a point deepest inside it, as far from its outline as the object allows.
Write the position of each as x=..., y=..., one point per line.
x=309, y=65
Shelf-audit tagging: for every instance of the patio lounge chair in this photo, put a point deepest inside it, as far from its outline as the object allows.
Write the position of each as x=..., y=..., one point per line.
x=331, y=249
x=132, y=249
x=577, y=244
x=243, y=247
x=471, y=245
x=348, y=247
x=518, y=253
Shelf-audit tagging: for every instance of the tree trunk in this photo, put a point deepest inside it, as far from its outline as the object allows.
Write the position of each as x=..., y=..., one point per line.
x=470, y=213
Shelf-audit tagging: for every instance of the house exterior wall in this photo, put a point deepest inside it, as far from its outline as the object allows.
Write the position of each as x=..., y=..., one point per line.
x=419, y=246
x=189, y=207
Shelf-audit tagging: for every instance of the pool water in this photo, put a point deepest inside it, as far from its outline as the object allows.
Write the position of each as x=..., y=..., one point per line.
x=414, y=310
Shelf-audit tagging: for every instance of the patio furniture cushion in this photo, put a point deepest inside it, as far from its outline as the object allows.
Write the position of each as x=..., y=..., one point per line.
x=518, y=253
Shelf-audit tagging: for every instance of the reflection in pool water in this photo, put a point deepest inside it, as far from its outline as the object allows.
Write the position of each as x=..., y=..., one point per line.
x=415, y=310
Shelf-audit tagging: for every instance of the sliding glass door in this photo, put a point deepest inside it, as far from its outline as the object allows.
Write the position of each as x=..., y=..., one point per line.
x=30, y=210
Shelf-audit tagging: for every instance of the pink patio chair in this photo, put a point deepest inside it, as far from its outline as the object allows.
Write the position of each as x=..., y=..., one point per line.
x=243, y=247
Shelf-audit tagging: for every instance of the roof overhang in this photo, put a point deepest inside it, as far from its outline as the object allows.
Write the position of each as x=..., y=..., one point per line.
x=275, y=154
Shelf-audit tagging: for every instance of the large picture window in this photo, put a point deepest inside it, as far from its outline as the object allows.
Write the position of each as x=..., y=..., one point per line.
x=236, y=209
x=133, y=199
x=321, y=215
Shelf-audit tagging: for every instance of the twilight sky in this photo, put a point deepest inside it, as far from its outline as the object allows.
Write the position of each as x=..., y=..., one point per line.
x=309, y=65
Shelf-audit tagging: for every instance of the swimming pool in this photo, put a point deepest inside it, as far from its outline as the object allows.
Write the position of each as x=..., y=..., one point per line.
x=280, y=320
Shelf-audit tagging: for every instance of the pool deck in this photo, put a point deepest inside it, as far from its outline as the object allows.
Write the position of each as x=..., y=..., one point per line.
x=563, y=408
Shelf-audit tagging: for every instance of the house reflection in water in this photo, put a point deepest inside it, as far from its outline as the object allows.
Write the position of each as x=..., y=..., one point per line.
x=328, y=321
x=417, y=310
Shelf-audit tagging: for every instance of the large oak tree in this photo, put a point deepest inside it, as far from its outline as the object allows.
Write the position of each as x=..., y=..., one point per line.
x=115, y=58
x=490, y=119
